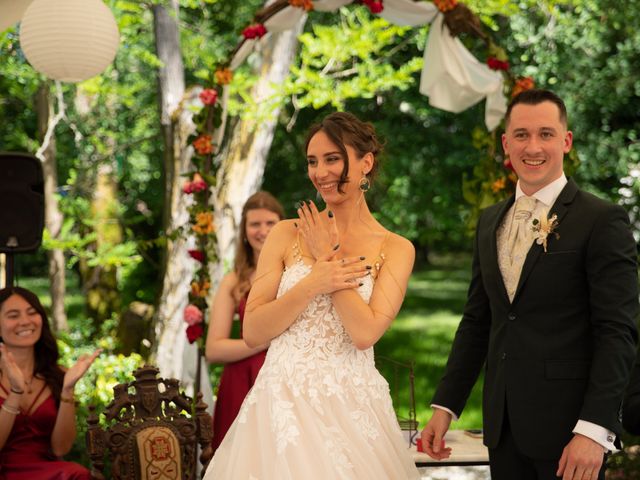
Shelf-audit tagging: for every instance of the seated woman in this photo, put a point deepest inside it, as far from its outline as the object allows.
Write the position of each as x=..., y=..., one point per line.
x=260, y=212
x=37, y=405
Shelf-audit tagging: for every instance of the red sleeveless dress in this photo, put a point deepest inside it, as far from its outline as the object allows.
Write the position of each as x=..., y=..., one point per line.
x=235, y=382
x=26, y=455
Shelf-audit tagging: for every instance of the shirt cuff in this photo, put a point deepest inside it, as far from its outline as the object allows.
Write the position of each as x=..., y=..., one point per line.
x=596, y=433
x=454, y=417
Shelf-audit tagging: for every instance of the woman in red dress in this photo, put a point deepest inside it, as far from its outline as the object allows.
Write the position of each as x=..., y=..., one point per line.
x=37, y=405
x=261, y=212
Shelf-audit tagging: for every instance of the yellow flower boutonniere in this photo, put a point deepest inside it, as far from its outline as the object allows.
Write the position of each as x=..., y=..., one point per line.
x=543, y=228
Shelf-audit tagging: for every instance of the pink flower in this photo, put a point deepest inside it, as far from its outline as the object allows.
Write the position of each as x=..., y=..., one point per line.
x=209, y=96
x=192, y=314
x=198, y=184
x=194, y=332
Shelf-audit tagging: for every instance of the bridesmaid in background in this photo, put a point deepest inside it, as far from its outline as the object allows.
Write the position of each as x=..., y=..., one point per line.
x=37, y=405
x=242, y=363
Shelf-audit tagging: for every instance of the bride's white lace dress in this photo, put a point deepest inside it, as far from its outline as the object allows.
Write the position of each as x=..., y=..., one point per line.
x=319, y=408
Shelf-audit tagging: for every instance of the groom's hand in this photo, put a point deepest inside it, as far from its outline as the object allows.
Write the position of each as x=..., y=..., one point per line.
x=433, y=435
x=581, y=459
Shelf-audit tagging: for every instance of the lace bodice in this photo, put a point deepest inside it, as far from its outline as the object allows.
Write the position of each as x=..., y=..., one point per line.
x=316, y=358
x=319, y=409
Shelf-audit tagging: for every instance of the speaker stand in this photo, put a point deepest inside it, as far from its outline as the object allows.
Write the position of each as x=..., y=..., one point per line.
x=9, y=268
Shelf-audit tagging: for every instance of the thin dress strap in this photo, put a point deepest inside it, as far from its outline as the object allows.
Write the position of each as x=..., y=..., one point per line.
x=379, y=259
x=37, y=397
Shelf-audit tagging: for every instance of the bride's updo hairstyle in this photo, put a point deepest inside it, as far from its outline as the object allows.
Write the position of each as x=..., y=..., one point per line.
x=343, y=129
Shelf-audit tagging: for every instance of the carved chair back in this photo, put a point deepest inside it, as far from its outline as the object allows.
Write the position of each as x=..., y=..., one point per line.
x=152, y=431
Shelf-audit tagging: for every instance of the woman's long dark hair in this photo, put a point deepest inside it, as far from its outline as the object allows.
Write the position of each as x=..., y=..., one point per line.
x=46, y=349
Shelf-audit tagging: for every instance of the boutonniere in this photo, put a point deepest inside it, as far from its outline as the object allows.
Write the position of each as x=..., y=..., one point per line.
x=544, y=227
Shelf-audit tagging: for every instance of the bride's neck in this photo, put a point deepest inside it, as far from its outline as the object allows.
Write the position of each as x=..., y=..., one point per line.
x=347, y=213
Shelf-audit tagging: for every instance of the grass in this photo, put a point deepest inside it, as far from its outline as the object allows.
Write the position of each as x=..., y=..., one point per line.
x=422, y=334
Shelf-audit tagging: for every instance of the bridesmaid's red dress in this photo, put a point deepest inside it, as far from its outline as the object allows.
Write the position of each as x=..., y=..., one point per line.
x=235, y=382
x=27, y=455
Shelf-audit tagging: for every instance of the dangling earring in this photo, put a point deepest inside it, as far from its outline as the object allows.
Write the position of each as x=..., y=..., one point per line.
x=364, y=184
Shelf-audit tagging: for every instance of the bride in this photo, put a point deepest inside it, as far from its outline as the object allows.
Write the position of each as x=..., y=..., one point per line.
x=328, y=285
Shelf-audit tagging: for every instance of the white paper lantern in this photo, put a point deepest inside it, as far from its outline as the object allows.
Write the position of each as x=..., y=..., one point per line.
x=69, y=40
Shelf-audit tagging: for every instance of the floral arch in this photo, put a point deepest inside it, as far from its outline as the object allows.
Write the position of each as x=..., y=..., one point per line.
x=452, y=79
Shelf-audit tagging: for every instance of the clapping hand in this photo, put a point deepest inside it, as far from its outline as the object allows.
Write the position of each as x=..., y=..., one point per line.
x=8, y=365
x=321, y=238
x=77, y=371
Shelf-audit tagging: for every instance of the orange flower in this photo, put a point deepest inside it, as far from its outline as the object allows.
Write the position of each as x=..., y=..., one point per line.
x=306, y=4
x=204, y=223
x=203, y=144
x=445, y=5
x=223, y=76
x=499, y=184
x=200, y=290
x=522, y=84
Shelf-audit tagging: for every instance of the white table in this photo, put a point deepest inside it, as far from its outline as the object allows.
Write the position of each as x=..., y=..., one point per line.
x=465, y=450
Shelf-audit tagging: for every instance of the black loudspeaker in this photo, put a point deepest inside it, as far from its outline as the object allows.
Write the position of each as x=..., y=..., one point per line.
x=21, y=202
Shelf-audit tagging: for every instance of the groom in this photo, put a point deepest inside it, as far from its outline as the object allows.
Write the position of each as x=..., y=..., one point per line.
x=551, y=314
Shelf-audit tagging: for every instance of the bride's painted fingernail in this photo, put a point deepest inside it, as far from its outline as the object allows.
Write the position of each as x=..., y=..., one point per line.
x=368, y=267
x=336, y=247
x=330, y=214
x=360, y=284
x=361, y=258
x=295, y=224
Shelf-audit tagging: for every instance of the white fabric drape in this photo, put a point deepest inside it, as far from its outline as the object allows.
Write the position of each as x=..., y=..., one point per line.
x=408, y=13
x=454, y=80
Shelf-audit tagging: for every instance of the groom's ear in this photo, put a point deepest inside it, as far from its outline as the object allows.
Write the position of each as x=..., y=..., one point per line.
x=505, y=145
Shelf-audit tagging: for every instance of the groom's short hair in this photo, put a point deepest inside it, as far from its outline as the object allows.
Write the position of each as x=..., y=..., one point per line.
x=535, y=97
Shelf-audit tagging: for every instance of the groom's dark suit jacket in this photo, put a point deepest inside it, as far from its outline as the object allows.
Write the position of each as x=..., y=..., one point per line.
x=563, y=350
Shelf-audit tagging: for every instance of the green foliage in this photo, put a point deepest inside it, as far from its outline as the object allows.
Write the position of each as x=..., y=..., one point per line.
x=353, y=61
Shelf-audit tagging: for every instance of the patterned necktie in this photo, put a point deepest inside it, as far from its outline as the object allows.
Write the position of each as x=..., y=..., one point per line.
x=519, y=242
x=521, y=234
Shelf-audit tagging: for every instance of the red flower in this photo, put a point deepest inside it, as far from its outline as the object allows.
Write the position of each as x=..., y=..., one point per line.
x=209, y=96
x=256, y=30
x=197, y=255
x=194, y=332
x=374, y=6
x=494, y=64
x=203, y=144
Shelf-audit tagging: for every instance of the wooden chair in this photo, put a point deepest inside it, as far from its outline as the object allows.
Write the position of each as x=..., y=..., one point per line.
x=149, y=435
